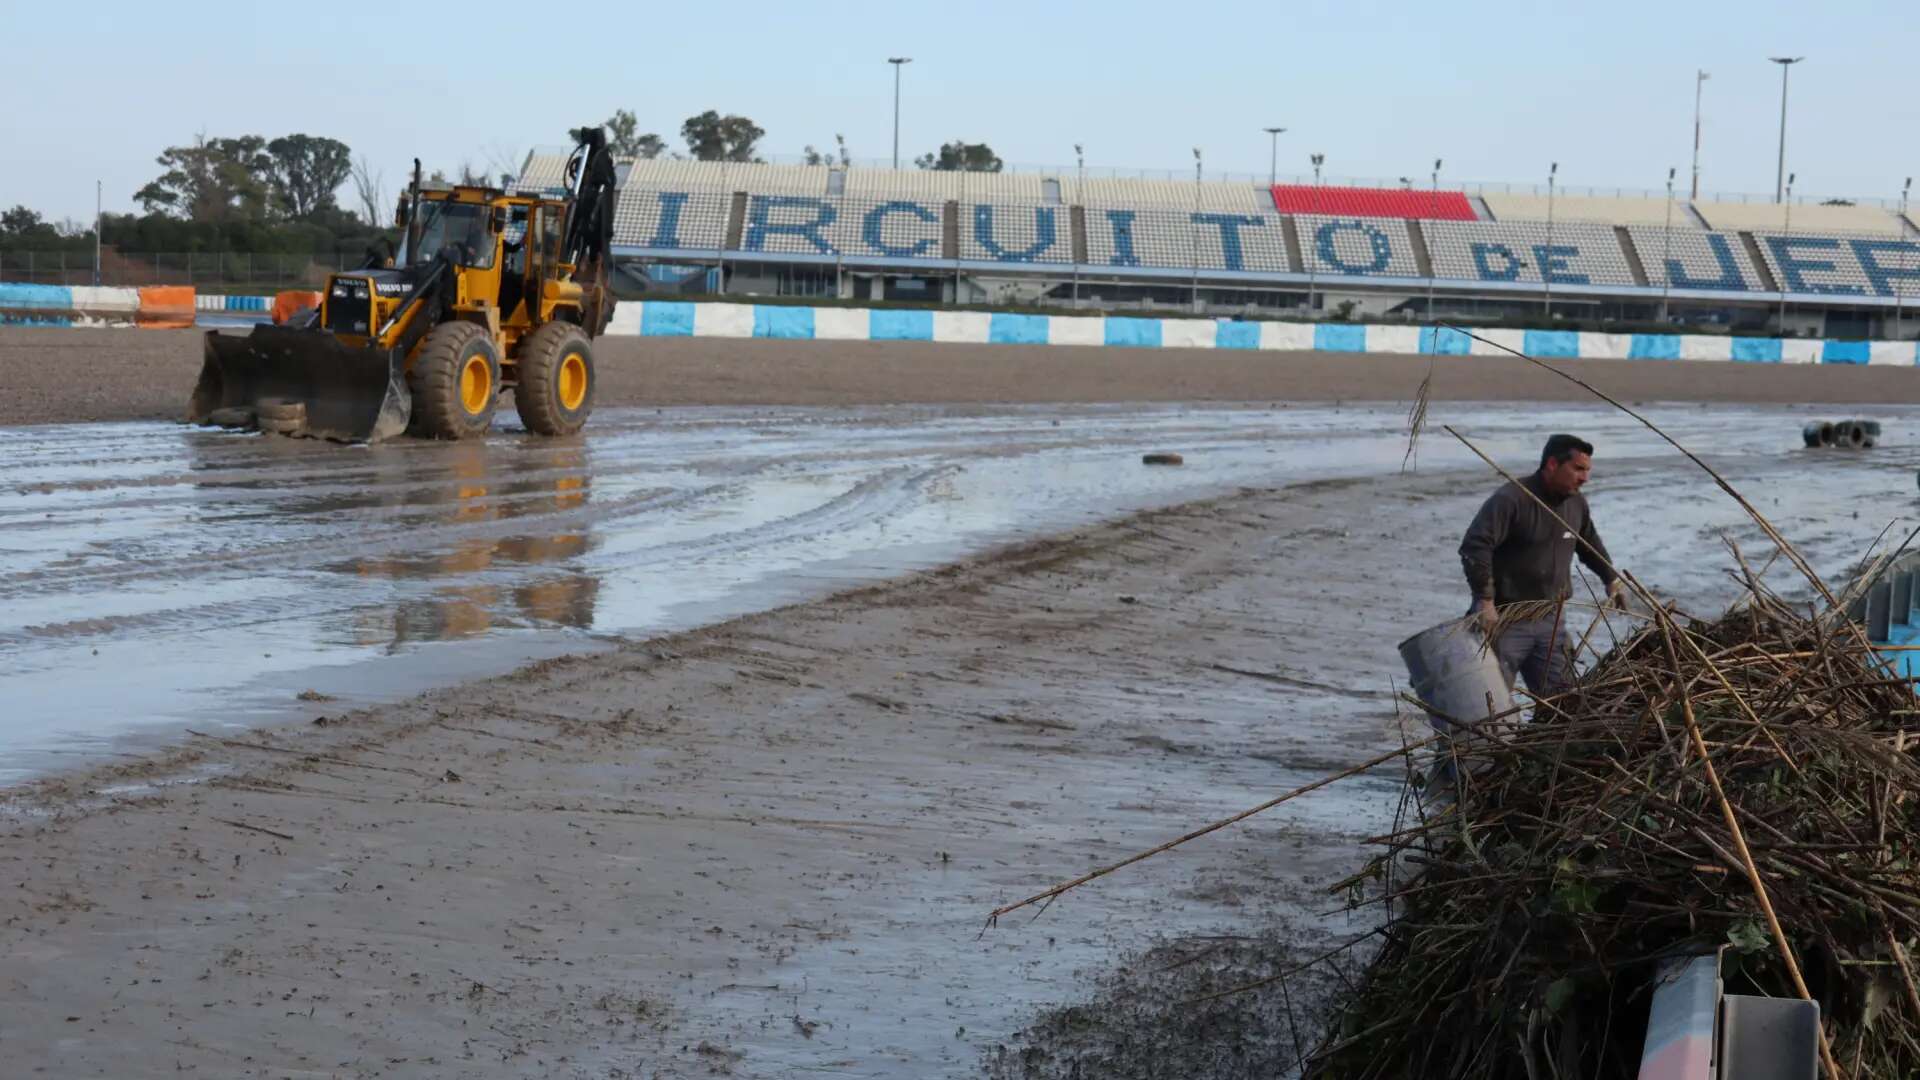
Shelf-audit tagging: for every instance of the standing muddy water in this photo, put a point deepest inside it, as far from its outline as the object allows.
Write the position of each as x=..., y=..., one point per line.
x=761, y=848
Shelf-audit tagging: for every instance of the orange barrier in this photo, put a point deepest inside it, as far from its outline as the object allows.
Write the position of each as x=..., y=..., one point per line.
x=290, y=301
x=166, y=306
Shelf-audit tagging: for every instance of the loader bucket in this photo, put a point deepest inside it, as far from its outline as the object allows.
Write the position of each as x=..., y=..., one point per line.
x=351, y=394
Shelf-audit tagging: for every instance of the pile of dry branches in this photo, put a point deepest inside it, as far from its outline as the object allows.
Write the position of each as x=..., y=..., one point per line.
x=1752, y=783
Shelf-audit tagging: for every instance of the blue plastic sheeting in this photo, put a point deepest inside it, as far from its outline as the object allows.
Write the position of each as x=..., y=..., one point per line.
x=1006, y=329
x=1654, y=347
x=1552, y=344
x=1133, y=332
x=1846, y=352
x=1328, y=338
x=1237, y=335
x=1444, y=341
x=36, y=298
x=1905, y=663
x=783, y=322
x=900, y=326
x=1756, y=350
x=666, y=318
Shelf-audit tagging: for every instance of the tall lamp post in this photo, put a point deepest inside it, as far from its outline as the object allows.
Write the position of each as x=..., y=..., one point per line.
x=1433, y=213
x=1193, y=234
x=1666, y=252
x=1273, y=153
x=1786, y=64
x=1309, y=252
x=1546, y=275
x=1699, y=80
x=1781, y=272
x=1079, y=197
x=96, y=229
x=898, y=62
x=1899, y=291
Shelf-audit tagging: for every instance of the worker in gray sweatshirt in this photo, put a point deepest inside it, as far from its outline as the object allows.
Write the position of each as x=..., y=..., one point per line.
x=1519, y=550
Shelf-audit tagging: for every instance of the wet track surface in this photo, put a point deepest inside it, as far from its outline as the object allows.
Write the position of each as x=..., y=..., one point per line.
x=154, y=577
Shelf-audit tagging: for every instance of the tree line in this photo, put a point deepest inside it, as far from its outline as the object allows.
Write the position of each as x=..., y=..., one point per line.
x=282, y=195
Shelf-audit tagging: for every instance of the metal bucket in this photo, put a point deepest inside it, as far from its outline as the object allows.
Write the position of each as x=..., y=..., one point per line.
x=1454, y=675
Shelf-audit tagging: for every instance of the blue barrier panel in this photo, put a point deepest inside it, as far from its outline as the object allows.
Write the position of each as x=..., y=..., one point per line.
x=1237, y=335
x=1133, y=332
x=666, y=318
x=249, y=303
x=18, y=318
x=1444, y=341
x=900, y=325
x=1845, y=352
x=1757, y=350
x=1339, y=338
x=1552, y=344
x=783, y=322
x=1007, y=329
x=36, y=298
x=1654, y=347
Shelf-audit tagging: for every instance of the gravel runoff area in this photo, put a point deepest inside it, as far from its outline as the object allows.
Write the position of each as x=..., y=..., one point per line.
x=55, y=375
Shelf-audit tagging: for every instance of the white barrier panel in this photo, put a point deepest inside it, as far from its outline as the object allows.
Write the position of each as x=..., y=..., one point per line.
x=963, y=327
x=1393, y=339
x=1596, y=346
x=1800, y=351
x=1701, y=347
x=1512, y=339
x=1188, y=333
x=1893, y=354
x=1291, y=337
x=103, y=300
x=840, y=324
x=722, y=320
x=625, y=320
x=1074, y=330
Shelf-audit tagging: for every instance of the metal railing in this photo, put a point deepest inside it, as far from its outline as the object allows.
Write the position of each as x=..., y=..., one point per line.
x=213, y=272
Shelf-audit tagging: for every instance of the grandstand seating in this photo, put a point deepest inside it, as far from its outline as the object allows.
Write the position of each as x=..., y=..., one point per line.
x=693, y=220
x=542, y=171
x=1842, y=265
x=1371, y=202
x=937, y=186
x=1773, y=217
x=1513, y=251
x=1354, y=246
x=1612, y=211
x=1705, y=260
x=1016, y=234
x=890, y=228
x=1175, y=195
x=1168, y=239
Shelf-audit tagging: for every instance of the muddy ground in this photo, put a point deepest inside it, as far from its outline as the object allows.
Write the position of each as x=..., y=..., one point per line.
x=54, y=375
x=766, y=848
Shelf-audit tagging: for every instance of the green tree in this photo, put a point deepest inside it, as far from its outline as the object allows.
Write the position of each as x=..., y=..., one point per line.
x=839, y=155
x=961, y=156
x=212, y=180
x=625, y=139
x=712, y=137
x=307, y=170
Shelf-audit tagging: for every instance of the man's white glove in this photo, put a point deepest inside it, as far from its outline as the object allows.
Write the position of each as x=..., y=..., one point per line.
x=1617, y=593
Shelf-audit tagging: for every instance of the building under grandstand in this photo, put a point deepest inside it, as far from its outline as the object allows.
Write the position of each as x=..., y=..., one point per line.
x=1240, y=249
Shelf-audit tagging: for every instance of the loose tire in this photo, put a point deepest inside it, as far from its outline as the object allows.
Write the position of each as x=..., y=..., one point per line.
x=554, y=391
x=455, y=383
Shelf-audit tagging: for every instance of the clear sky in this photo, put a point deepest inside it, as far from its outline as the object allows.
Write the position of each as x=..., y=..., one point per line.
x=1499, y=90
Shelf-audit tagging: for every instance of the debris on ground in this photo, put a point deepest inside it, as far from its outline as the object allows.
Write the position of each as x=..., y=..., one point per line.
x=1750, y=783
x=1162, y=458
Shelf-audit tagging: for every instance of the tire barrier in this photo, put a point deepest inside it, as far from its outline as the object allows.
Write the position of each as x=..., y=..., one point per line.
x=1844, y=434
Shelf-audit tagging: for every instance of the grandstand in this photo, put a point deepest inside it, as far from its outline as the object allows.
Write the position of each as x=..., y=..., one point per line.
x=1118, y=243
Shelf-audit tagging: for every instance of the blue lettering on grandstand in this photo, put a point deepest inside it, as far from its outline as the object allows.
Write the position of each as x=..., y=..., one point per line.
x=1482, y=252
x=667, y=233
x=876, y=217
x=759, y=228
x=1554, y=268
x=1121, y=222
x=1730, y=277
x=1878, y=273
x=1794, y=269
x=1377, y=243
x=1229, y=226
x=1042, y=235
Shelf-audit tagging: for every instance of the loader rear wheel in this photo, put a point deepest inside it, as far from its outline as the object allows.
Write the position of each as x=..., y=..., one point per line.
x=455, y=383
x=554, y=393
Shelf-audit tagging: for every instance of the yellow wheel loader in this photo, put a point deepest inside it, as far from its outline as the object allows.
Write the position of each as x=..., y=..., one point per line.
x=490, y=291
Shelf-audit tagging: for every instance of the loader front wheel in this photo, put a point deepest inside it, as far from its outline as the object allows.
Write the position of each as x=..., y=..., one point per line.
x=455, y=383
x=554, y=393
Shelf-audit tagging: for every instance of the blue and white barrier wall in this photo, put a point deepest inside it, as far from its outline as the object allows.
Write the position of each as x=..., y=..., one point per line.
x=679, y=318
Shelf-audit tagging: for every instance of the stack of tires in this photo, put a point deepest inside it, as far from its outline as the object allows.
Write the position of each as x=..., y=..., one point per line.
x=1845, y=434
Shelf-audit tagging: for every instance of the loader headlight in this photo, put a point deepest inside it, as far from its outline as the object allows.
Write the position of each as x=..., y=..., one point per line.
x=340, y=291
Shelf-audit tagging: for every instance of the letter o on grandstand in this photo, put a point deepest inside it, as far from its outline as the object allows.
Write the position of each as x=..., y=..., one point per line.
x=1377, y=244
